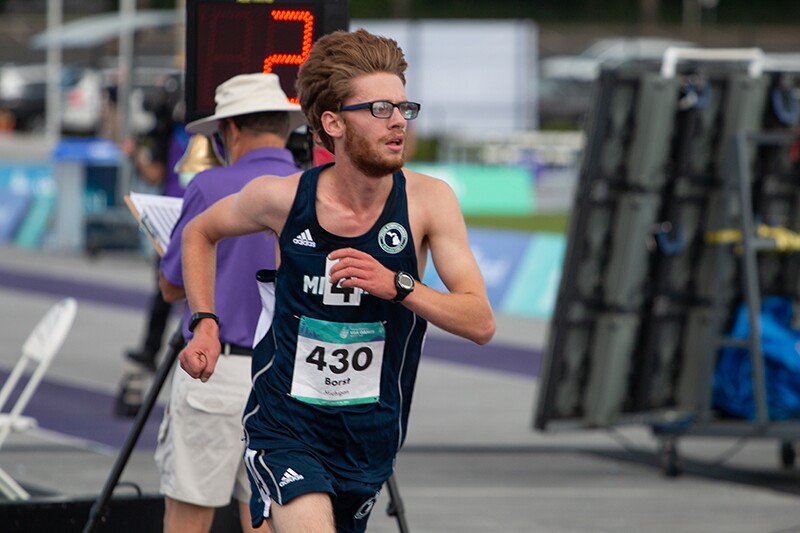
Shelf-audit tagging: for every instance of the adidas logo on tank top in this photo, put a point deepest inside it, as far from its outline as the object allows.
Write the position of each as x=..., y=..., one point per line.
x=305, y=239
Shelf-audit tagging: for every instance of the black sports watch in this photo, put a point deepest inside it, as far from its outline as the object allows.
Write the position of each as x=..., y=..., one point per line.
x=404, y=283
x=197, y=317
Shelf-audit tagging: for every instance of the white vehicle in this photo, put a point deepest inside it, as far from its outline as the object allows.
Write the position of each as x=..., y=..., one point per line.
x=82, y=102
x=23, y=95
x=23, y=92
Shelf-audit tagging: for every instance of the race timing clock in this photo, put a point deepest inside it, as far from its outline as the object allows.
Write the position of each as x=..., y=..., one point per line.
x=225, y=38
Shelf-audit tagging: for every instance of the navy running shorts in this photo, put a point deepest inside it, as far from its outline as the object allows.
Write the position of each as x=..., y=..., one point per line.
x=278, y=477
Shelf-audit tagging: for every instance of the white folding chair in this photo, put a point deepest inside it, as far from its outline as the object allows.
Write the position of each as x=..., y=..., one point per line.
x=42, y=344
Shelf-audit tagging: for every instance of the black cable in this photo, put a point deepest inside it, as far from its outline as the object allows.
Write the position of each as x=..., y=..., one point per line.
x=624, y=442
x=133, y=485
x=629, y=446
x=732, y=450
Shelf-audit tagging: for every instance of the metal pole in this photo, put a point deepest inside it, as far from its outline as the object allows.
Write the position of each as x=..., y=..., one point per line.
x=750, y=286
x=55, y=12
x=396, y=507
x=127, y=12
x=180, y=36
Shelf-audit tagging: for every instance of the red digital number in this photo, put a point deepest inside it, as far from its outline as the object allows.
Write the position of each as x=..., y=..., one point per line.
x=292, y=15
x=230, y=37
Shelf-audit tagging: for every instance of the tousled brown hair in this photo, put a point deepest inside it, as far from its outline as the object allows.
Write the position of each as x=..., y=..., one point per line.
x=323, y=82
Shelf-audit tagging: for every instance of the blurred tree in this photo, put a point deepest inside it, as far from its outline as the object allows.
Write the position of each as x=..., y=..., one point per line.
x=745, y=12
x=648, y=11
x=401, y=9
x=566, y=11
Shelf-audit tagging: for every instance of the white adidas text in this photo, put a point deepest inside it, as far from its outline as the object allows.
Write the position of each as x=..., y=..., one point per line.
x=290, y=476
x=305, y=239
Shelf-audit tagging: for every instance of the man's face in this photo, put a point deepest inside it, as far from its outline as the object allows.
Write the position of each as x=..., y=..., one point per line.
x=375, y=145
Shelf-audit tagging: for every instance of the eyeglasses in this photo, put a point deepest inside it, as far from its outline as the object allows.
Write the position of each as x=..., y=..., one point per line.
x=218, y=139
x=384, y=108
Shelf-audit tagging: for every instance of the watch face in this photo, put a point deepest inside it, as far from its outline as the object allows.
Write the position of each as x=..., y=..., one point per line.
x=405, y=281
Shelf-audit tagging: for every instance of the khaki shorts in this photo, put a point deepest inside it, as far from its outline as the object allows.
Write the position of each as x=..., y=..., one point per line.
x=200, y=442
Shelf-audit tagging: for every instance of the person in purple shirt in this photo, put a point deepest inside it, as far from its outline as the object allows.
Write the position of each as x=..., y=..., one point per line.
x=200, y=448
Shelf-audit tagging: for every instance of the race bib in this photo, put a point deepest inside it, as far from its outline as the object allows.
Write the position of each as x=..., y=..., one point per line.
x=338, y=363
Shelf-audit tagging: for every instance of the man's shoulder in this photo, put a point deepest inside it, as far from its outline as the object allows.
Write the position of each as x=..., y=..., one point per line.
x=210, y=173
x=240, y=171
x=216, y=183
x=420, y=180
x=211, y=183
x=267, y=161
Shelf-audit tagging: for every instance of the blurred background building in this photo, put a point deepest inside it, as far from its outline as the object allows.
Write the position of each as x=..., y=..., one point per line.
x=571, y=155
x=505, y=87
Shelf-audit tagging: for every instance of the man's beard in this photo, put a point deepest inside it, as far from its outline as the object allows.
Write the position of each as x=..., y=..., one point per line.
x=367, y=160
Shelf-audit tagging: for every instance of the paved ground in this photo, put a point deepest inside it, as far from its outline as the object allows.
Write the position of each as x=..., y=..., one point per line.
x=472, y=462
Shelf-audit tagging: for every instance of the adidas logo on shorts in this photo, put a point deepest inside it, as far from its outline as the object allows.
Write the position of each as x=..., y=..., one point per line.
x=305, y=239
x=289, y=476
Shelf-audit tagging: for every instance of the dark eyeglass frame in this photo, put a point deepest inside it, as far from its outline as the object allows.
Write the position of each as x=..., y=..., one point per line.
x=409, y=110
x=219, y=135
x=218, y=139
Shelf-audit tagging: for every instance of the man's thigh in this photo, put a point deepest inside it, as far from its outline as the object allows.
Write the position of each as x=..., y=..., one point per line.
x=306, y=513
x=280, y=478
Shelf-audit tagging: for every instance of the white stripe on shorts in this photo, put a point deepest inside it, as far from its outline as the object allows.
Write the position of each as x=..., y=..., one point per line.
x=263, y=489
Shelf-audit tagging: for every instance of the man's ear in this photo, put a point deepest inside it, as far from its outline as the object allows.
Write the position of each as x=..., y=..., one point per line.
x=233, y=130
x=332, y=123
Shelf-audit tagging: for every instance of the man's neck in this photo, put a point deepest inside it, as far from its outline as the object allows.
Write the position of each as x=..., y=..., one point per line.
x=248, y=142
x=349, y=202
x=351, y=187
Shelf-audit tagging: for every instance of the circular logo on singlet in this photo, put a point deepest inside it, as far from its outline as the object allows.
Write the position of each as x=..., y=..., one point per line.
x=393, y=238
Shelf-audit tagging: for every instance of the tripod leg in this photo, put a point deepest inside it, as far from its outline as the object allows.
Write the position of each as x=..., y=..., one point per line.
x=99, y=509
x=395, y=507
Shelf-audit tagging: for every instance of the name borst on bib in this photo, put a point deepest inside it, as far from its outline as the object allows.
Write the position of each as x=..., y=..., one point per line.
x=338, y=363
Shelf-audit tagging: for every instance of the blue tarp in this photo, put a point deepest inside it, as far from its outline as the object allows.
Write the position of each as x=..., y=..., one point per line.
x=780, y=344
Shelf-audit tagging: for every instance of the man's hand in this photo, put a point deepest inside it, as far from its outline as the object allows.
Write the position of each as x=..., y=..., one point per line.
x=355, y=268
x=199, y=357
x=128, y=146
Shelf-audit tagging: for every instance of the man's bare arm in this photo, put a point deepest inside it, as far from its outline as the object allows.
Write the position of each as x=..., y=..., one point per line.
x=464, y=310
x=257, y=207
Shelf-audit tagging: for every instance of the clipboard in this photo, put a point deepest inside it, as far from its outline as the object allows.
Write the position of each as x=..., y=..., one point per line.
x=156, y=215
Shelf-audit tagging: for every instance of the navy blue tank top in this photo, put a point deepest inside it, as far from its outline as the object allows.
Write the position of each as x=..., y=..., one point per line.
x=335, y=373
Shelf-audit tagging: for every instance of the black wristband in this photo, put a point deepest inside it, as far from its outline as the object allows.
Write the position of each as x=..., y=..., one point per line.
x=197, y=317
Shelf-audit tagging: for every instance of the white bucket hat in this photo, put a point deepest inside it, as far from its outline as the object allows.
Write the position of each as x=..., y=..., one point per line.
x=245, y=94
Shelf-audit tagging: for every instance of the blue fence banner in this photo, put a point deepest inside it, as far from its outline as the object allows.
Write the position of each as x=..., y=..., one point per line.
x=522, y=271
x=486, y=189
x=534, y=290
x=88, y=150
x=27, y=201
